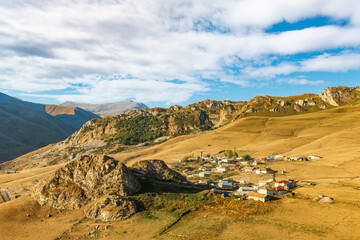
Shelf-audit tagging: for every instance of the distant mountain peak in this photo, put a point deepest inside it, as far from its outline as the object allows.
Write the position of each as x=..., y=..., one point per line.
x=107, y=109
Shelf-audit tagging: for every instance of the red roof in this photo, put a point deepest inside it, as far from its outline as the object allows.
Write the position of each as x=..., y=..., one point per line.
x=283, y=181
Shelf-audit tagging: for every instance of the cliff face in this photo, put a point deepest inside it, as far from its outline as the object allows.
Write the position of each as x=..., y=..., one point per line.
x=341, y=95
x=84, y=180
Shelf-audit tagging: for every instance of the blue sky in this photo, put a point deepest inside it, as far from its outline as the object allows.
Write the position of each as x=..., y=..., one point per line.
x=164, y=52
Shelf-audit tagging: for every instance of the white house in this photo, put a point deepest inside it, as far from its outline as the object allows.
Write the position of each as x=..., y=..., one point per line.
x=204, y=174
x=244, y=190
x=258, y=196
x=176, y=160
x=314, y=157
x=279, y=156
x=222, y=169
x=266, y=190
x=281, y=183
x=225, y=184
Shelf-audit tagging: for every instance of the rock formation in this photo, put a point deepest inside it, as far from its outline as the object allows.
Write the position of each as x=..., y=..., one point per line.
x=157, y=169
x=338, y=96
x=85, y=180
x=111, y=208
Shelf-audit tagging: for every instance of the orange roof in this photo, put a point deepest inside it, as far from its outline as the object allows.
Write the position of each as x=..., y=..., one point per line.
x=283, y=181
x=255, y=194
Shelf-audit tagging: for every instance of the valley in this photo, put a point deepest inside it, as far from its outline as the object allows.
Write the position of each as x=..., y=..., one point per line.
x=331, y=133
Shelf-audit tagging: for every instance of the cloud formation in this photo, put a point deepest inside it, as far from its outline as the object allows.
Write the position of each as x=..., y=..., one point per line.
x=166, y=51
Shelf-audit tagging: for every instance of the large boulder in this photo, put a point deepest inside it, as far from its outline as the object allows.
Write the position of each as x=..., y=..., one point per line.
x=111, y=208
x=157, y=169
x=85, y=180
x=326, y=200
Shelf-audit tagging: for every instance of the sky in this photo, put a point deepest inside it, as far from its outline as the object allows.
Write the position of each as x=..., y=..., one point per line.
x=164, y=52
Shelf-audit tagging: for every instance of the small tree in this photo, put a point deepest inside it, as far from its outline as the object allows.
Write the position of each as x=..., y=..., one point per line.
x=229, y=153
x=246, y=157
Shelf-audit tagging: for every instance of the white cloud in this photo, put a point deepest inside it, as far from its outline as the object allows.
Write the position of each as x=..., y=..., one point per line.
x=54, y=45
x=299, y=81
x=332, y=63
x=342, y=62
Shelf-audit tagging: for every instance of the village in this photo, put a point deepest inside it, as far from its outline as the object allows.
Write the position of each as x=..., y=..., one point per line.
x=229, y=175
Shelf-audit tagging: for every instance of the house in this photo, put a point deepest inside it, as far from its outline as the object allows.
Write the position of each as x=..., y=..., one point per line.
x=279, y=156
x=271, y=159
x=204, y=174
x=294, y=158
x=257, y=170
x=314, y=157
x=249, y=169
x=266, y=190
x=244, y=190
x=280, y=191
x=281, y=183
x=264, y=170
x=222, y=169
x=225, y=160
x=225, y=184
x=289, y=186
x=176, y=160
x=267, y=170
x=257, y=162
x=258, y=196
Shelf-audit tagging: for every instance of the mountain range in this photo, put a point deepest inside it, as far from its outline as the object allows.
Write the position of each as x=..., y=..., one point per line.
x=26, y=126
x=143, y=127
x=107, y=109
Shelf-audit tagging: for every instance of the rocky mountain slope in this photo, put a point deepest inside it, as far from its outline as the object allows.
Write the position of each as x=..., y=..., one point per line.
x=107, y=109
x=26, y=126
x=140, y=128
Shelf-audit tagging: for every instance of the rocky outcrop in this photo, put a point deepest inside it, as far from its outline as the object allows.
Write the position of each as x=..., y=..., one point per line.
x=338, y=96
x=84, y=180
x=157, y=169
x=111, y=208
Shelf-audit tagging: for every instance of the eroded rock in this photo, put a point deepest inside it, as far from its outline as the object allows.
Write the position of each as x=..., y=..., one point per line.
x=157, y=169
x=338, y=96
x=85, y=180
x=111, y=208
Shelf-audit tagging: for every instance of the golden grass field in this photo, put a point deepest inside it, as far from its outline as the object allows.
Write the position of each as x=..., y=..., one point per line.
x=333, y=134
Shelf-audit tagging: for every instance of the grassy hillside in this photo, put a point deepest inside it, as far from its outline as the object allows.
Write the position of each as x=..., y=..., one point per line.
x=23, y=129
x=26, y=126
x=71, y=116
